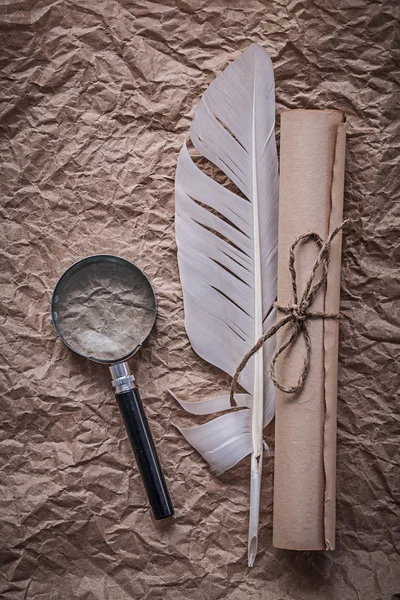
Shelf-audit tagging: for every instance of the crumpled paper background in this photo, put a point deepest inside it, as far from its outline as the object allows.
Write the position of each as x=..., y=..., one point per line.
x=97, y=98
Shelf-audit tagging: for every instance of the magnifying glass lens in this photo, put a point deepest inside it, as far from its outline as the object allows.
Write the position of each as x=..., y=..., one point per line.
x=104, y=309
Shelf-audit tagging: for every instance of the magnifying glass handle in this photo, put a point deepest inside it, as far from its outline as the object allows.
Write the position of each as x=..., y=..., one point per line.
x=141, y=440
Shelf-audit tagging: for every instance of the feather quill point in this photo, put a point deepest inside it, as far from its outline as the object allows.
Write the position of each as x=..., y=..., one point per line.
x=227, y=255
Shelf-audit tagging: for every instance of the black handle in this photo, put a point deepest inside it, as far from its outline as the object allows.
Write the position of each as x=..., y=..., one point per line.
x=139, y=433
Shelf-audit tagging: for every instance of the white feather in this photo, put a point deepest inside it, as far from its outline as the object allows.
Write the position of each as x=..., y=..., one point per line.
x=227, y=252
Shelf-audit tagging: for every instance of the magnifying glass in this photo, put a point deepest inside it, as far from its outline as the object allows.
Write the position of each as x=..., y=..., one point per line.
x=103, y=308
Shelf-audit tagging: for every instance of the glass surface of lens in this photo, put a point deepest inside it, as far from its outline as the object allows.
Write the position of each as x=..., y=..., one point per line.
x=104, y=307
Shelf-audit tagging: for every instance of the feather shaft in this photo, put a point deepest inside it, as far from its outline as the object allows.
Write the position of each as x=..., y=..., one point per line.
x=258, y=385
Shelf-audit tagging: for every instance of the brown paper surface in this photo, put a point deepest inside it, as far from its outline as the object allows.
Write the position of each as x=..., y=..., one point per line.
x=310, y=200
x=97, y=98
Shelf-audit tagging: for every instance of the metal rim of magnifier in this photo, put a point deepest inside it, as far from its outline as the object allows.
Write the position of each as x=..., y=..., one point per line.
x=75, y=267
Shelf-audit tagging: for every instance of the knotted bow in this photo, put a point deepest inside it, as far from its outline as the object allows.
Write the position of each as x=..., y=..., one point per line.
x=297, y=314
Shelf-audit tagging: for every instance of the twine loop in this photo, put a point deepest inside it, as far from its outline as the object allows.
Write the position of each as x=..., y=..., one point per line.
x=297, y=313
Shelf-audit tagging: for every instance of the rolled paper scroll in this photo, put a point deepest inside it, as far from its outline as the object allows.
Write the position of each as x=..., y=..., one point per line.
x=311, y=200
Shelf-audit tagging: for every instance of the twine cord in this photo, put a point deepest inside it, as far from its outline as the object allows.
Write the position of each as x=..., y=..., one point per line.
x=297, y=314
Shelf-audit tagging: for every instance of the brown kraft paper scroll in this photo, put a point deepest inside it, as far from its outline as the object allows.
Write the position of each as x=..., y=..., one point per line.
x=311, y=200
